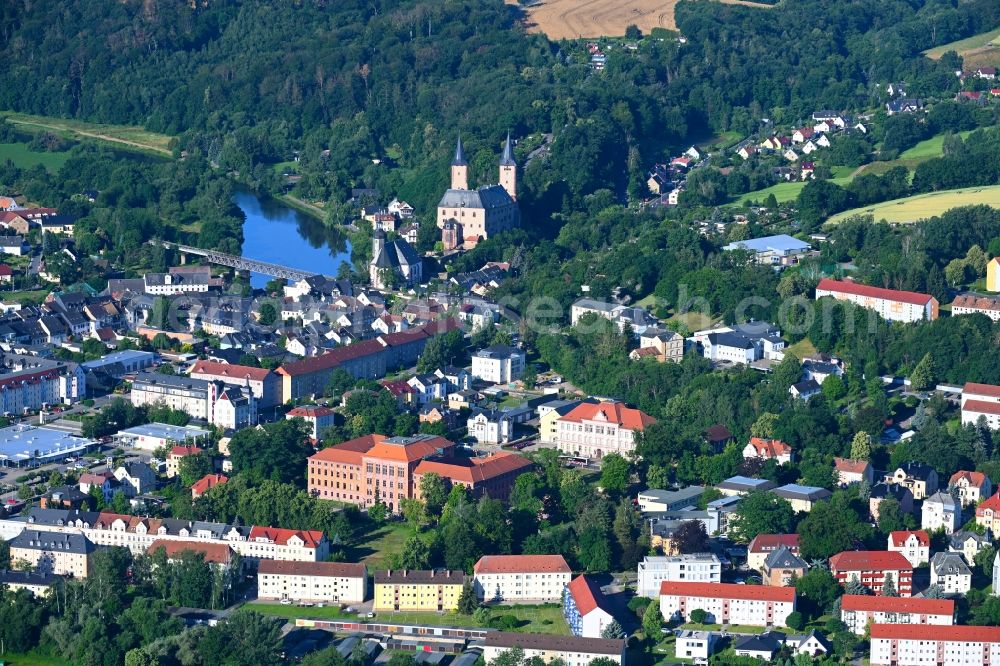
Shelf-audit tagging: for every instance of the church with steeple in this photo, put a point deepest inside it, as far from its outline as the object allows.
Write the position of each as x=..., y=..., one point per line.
x=467, y=216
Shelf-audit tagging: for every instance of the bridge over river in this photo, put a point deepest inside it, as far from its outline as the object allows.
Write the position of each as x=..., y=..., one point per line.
x=237, y=262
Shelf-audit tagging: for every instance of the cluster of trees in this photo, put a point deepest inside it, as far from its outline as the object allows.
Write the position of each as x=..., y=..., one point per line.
x=120, y=414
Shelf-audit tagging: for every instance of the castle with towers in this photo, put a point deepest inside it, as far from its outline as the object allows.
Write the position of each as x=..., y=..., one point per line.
x=467, y=216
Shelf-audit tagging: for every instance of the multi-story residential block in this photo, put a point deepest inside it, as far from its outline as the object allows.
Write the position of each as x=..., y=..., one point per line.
x=988, y=514
x=253, y=543
x=857, y=611
x=174, y=457
x=53, y=552
x=969, y=544
x=30, y=383
x=914, y=645
x=219, y=555
x=318, y=418
x=941, y=511
x=263, y=384
x=521, y=578
x=661, y=345
x=213, y=401
x=741, y=343
x=871, y=568
x=36, y=582
x=725, y=603
x=921, y=479
x=965, y=304
x=389, y=469
x=914, y=545
x=765, y=544
x=981, y=401
x=883, y=491
x=433, y=590
x=890, y=304
x=585, y=608
x=592, y=430
x=768, y=449
x=312, y=582
x=568, y=650
x=970, y=487
x=950, y=571
x=172, y=284
x=853, y=471
x=691, y=567
x=782, y=567
x=499, y=364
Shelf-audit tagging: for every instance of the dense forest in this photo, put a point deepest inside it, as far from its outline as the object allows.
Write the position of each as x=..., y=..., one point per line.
x=248, y=83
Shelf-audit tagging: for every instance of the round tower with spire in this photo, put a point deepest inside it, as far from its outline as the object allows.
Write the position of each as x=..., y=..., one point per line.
x=459, y=168
x=508, y=169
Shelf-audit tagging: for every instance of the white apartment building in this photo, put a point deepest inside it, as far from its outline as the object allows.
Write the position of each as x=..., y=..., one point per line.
x=910, y=645
x=971, y=304
x=592, y=430
x=263, y=384
x=890, y=304
x=220, y=404
x=914, y=545
x=857, y=610
x=53, y=553
x=521, y=578
x=585, y=608
x=570, y=650
x=171, y=284
x=499, y=364
x=726, y=603
x=950, y=571
x=940, y=511
x=971, y=487
x=692, y=568
x=697, y=646
x=138, y=533
x=981, y=400
x=312, y=582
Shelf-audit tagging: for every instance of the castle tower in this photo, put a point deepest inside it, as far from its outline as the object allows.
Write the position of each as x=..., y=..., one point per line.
x=459, y=168
x=508, y=169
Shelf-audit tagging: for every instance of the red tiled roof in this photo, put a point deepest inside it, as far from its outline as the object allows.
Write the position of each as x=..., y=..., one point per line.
x=501, y=564
x=331, y=359
x=974, y=479
x=847, y=287
x=182, y=451
x=992, y=503
x=218, y=553
x=475, y=470
x=763, y=543
x=971, y=388
x=981, y=407
x=899, y=537
x=29, y=378
x=230, y=370
x=864, y=602
x=310, y=412
x=869, y=560
x=202, y=485
x=6, y=270
x=397, y=387
x=586, y=594
x=421, y=448
x=348, y=452
x=770, y=448
x=976, y=302
x=328, y=569
x=613, y=412
x=936, y=632
x=850, y=466
x=281, y=536
x=727, y=591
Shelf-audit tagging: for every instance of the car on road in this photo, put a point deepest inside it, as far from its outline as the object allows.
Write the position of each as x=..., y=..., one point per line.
x=286, y=602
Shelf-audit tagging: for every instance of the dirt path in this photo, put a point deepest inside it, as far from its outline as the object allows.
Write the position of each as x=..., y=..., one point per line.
x=92, y=135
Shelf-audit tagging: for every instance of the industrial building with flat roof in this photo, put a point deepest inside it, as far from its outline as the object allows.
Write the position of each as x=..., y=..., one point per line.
x=22, y=445
x=152, y=436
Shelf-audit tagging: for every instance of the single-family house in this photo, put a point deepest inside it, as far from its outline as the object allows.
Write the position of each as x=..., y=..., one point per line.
x=914, y=545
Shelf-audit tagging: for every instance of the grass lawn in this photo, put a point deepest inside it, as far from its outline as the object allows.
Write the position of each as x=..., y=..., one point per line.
x=533, y=619
x=31, y=659
x=733, y=628
x=36, y=296
x=377, y=545
x=801, y=349
x=719, y=141
x=25, y=158
x=292, y=612
x=932, y=147
x=302, y=206
x=923, y=206
x=974, y=42
x=668, y=649
x=122, y=136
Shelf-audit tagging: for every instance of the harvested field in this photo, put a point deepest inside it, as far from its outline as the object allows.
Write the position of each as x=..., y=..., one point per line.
x=579, y=19
x=923, y=206
x=981, y=50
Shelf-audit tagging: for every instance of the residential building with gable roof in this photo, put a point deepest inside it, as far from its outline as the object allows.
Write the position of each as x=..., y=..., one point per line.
x=418, y=590
x=950, y=571
x=921, y=479
x=981, y=401
x=858, y=610
x=941, y=511
x=782, y=566
x=312, y=582
x=521, y=578
x=568, y=650
x=970, y=544
x=262, y=383
x=891, y=304
x=971, y=487
x=64, y=554
x=318, y=417
x=965, y=304
x=726, y=603
x=882, y=491
x=914, y=545
x=768, y=449
x=931, y=645
x=593, y=430
x=206, y=483
x=585, y=608
x=853, y=471
x=690, y=567
x=871, y=568
x=765, y=544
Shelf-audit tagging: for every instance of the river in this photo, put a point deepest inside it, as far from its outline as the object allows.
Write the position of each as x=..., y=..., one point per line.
x=276, y=233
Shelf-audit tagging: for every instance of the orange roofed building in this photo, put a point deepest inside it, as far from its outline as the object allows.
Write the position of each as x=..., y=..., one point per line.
x=390, y=468
x=202, y=485
x=595, y=429
x=768, y=449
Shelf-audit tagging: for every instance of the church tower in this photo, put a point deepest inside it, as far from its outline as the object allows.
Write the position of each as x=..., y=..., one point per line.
x=459, y=168
x=508, y=170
